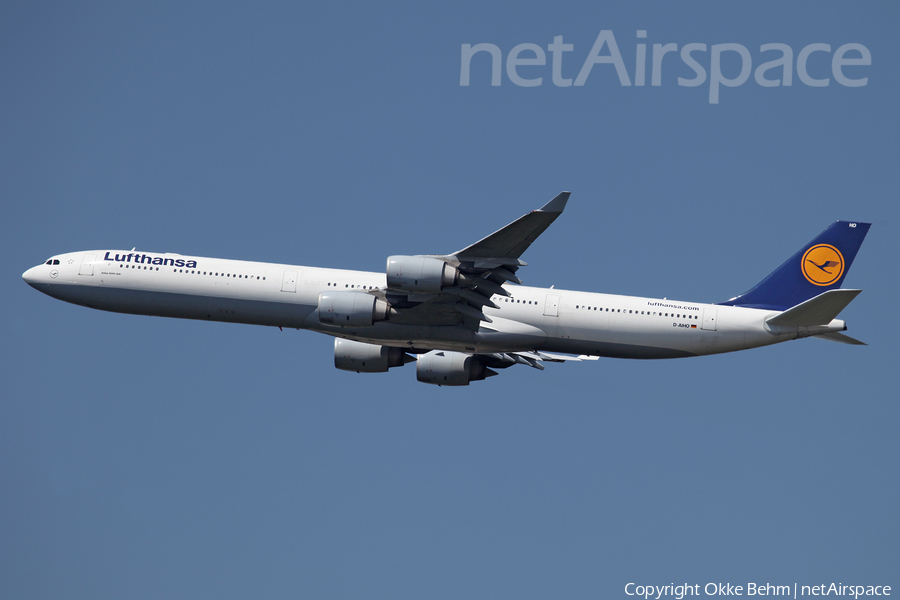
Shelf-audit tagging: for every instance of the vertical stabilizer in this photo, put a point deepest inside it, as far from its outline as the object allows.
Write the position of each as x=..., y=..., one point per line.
x=819, y=266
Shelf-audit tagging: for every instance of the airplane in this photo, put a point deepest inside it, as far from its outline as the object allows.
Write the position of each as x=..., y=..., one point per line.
x=464, y=315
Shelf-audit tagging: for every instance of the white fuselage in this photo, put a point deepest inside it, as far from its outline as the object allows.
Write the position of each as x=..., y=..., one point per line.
x=279, y=295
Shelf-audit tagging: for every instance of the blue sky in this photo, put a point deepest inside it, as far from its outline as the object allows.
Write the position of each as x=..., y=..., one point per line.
x=146, y=458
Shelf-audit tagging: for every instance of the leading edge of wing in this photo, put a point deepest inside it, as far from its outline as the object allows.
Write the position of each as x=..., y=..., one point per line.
x=512, y=241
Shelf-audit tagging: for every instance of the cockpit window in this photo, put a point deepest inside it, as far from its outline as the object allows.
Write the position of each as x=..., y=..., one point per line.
x=49, y=262
x=52, y=261
x=55, y=261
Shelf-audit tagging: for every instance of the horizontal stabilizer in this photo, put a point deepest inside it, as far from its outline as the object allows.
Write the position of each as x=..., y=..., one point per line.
x=840, y=337
x=820, y=310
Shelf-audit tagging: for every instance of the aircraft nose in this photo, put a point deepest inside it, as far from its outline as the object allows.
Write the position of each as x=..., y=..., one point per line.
x=32, y=276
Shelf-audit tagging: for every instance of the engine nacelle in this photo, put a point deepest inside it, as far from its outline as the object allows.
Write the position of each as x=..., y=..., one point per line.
x=420, y=274
x=367, y=358
x=440, y=367
x=351, y=309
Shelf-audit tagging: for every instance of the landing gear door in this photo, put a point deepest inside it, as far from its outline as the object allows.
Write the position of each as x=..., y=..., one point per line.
x=551, y=306
x=709, y=319
x=87, y=264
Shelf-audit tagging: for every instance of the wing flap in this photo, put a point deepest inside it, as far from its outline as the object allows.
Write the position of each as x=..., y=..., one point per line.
x=469, y=311
x=502, y=360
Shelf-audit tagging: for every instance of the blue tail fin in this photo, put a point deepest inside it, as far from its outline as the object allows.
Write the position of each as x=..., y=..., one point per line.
x=819, y=266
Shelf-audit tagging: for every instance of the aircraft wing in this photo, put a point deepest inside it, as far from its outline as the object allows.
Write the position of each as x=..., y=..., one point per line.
x=483, y=268
x=511, y=241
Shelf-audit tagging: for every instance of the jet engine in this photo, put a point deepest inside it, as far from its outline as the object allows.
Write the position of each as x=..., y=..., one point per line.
x=367, y=358
x=351, y=309
x=422, y=274
x=440, y=367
